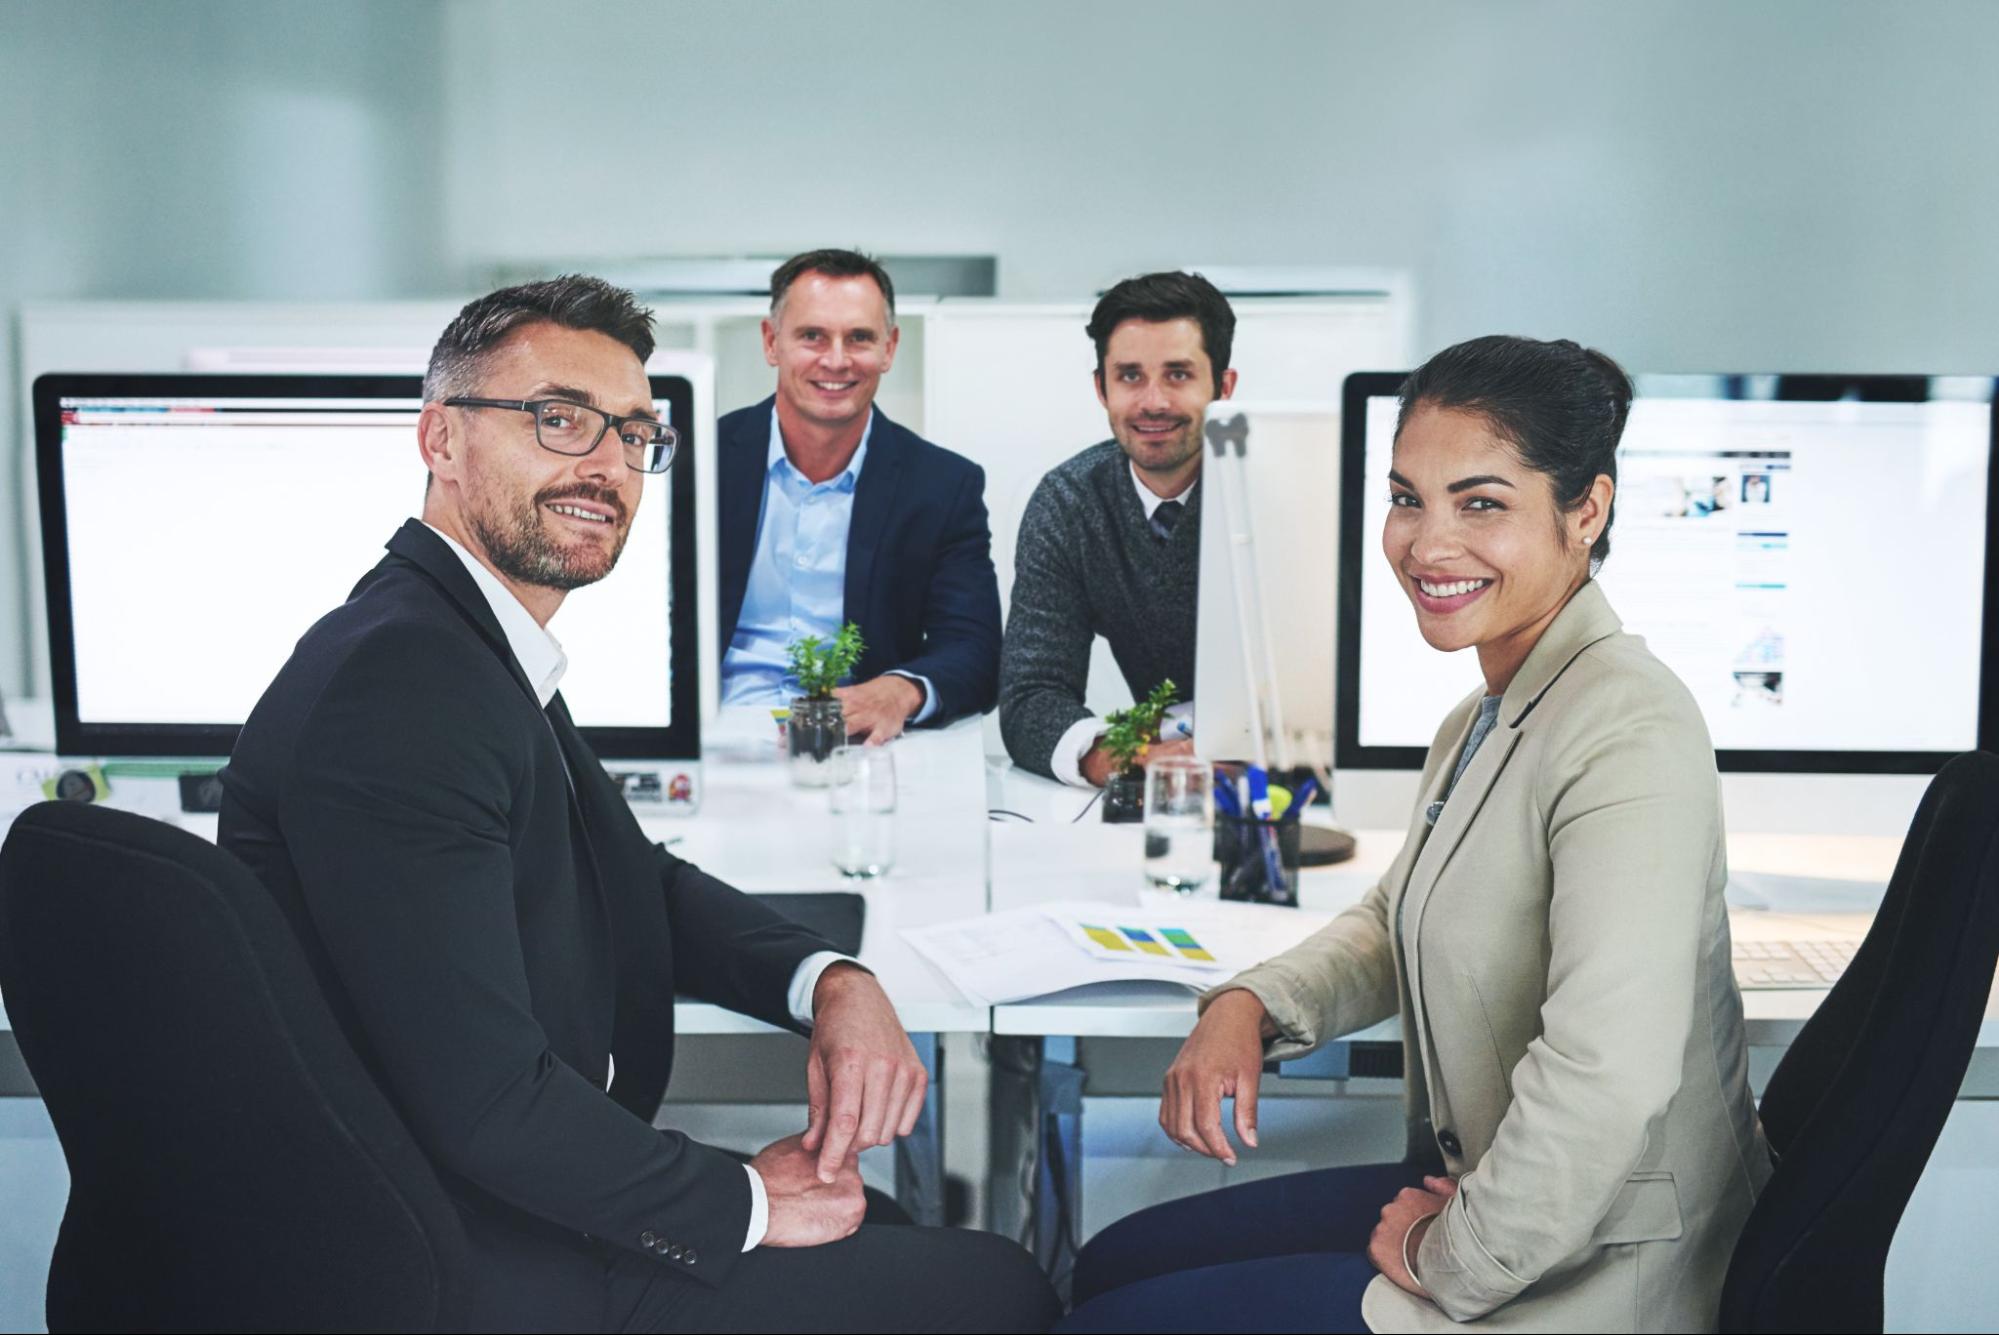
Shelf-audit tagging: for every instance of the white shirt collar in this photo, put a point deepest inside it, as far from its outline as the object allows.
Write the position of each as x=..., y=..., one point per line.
x=1151, y=499
x=847, y=478
x=538, y=652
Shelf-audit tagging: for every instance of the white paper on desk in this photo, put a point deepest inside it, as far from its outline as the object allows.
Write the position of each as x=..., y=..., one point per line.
x=1028, y=952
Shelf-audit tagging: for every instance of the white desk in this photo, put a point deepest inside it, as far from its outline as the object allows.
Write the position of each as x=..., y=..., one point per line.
x=1089, y=860
x=761, y=833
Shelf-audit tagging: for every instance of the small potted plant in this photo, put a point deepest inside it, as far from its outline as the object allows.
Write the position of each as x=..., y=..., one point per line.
x=816, y=724
x=1128, y=737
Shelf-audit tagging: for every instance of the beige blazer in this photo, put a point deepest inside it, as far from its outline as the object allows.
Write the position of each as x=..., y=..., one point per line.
x=1572, y=1032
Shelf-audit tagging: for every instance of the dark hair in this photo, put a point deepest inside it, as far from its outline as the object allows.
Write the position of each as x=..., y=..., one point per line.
x=1561, y=405
x=834, y=264
x=574, y=301
x=1158, y=297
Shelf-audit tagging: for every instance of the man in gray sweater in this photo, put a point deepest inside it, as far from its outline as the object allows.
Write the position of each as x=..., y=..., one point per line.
x=1111, y=541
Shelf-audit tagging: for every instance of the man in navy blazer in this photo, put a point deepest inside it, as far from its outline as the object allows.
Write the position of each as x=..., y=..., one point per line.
x=832, y=513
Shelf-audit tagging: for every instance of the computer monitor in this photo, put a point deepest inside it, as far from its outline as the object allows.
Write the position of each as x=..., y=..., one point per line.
x=1814, y=556
x=1270, y=505
x=194, y=526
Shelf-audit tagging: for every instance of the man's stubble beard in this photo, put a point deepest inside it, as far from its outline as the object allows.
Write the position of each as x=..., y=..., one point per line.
x=521, y=548
x=1187, y=447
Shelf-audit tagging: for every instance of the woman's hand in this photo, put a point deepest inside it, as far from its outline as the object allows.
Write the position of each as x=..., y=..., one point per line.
x=1223, y=1057
x=1404, y=1221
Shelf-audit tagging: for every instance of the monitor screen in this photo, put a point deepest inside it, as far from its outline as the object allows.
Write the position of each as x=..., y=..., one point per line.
x=1809, y=554
x=195, y=526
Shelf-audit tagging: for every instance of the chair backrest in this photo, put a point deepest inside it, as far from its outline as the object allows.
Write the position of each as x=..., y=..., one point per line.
x=1858, y=1101
x=232, y=1164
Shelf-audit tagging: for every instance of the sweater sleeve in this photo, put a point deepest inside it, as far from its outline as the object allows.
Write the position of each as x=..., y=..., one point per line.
x=1045, y=657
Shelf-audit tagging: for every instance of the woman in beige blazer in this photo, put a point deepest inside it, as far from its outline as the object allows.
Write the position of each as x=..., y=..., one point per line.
x=1584, y=1145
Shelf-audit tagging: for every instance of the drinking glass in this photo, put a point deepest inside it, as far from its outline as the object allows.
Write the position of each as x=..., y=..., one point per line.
x=1179, y=824
x=862, y=793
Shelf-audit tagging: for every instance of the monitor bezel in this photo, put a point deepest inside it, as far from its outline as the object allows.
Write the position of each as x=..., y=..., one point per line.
x=1355, y=549
x=680, y=740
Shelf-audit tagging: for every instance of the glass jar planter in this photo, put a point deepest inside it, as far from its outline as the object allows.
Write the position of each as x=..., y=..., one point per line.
x=816, y=727
x=1124, y=797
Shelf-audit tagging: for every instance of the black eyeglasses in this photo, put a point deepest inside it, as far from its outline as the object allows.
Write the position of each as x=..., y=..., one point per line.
x=575, y=428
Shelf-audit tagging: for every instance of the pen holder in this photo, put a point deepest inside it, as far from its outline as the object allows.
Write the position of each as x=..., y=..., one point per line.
x=1241, y=849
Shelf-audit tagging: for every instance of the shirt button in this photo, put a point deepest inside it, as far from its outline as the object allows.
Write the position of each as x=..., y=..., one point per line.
x=1447, y=1140
x=801, y=560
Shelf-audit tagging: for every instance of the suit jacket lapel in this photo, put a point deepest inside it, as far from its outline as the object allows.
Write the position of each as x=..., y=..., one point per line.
x=741, y=465
x=415, y=543
x=874, y=502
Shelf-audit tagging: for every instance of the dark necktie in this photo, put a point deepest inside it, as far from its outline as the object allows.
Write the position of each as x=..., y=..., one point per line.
x=1164, y=518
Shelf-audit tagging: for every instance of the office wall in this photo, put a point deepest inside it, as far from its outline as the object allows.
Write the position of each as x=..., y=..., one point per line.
x=1693, y=185
x=223, y=149
x=1697, y=185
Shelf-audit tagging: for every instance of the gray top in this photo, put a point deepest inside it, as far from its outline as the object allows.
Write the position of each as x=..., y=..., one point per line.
x=1488, y=714
x=1088, y=564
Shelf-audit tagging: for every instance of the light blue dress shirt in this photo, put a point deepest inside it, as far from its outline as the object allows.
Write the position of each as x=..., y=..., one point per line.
x=798, y=578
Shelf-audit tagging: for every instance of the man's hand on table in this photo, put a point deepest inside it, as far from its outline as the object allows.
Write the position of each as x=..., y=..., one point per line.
x=877, y=710
x=1097, y=762
x=864, y=1084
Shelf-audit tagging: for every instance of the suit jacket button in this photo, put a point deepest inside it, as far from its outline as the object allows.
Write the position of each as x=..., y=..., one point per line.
x=649, y=1240
x=675, y=1252
x=690, y=1256
x=1447, y=1140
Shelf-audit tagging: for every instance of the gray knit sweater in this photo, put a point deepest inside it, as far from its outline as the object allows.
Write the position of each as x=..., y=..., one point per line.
x=1087, y=565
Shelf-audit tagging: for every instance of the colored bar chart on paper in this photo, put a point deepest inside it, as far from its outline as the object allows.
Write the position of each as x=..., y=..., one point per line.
x=1183, y=941
x=1125, y=941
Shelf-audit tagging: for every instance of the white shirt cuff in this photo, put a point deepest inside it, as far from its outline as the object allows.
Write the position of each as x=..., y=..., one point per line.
x=806, y=979
x=929, y=695
x=759, y=1211
x=1067, y=762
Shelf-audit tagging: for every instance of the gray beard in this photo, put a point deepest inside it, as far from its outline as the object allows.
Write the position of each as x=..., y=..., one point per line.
x=524, y=552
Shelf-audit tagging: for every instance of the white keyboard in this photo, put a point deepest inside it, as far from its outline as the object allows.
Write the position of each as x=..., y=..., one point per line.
x=1767, y=965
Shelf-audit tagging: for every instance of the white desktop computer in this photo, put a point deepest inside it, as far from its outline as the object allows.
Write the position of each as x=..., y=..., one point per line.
x=1263, y=647
x=1812, y=555
x=194, y=526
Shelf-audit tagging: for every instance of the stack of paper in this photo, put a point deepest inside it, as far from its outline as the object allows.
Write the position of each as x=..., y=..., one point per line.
x=1031, y=952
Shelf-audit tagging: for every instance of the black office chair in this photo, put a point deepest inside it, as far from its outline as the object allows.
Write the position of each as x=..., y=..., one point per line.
x=1856, y=1105
x=232, y=1165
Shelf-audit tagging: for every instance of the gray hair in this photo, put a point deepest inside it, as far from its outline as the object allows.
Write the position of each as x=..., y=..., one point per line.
x=833, y=264
x=573, y=301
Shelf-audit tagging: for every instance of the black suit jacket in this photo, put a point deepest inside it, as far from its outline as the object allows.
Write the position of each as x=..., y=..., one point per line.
x=920, y=580
x=492, y=927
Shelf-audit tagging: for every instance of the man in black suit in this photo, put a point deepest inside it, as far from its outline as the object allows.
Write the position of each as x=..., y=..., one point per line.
x=499, y=939
x=832, y=513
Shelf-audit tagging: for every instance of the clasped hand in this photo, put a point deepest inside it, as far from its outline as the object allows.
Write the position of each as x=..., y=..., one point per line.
x=1223, y=1058
x=864, y=1087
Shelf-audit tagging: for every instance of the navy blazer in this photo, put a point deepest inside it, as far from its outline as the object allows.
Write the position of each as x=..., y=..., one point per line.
x=492, y=929
x=920, y=579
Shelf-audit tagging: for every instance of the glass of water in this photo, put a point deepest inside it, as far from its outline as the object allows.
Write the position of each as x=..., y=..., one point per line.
x=862, y=792
x=1179, y=824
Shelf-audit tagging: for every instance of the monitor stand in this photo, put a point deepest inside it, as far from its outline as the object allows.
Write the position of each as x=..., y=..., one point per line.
x=1319, y=846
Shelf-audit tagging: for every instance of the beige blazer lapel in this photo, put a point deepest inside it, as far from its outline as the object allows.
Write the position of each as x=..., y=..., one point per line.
x=1584, y=620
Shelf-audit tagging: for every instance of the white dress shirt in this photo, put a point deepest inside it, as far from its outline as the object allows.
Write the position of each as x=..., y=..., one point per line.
x=1067, y=761
x=543, y=662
